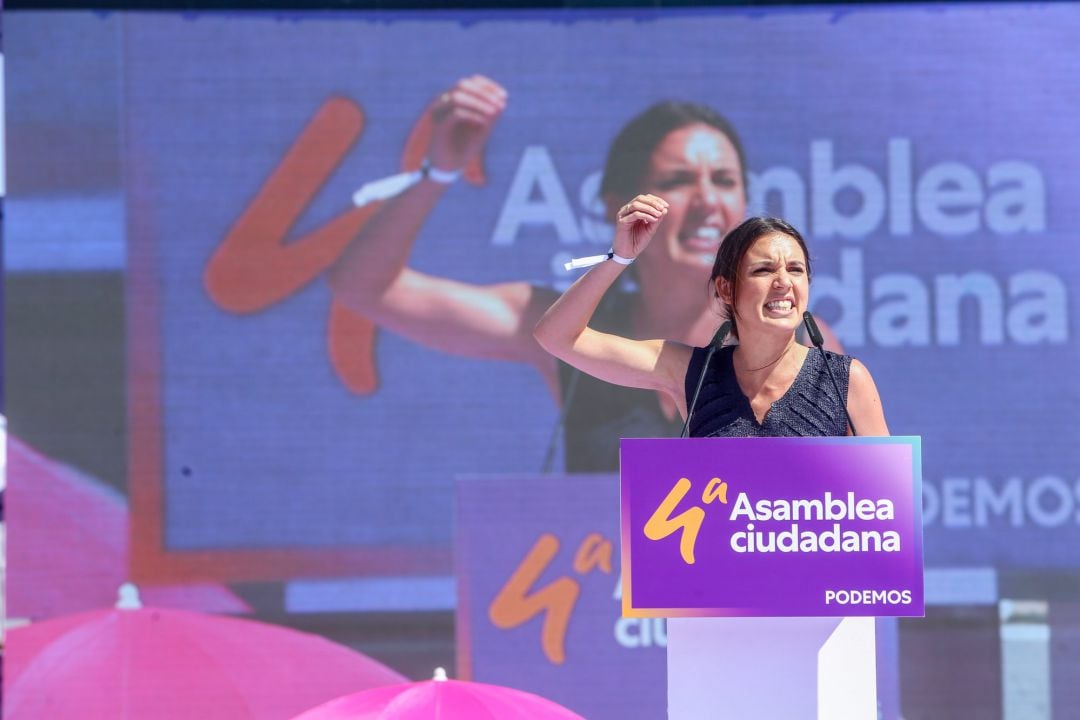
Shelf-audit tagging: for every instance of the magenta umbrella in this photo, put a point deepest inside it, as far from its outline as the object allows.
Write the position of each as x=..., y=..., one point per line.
x=133, y=662
x=440, y=699
x=67, y=544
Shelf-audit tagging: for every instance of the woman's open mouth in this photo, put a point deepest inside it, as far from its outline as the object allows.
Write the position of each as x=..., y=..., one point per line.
x=704, y=238
x=780, y=307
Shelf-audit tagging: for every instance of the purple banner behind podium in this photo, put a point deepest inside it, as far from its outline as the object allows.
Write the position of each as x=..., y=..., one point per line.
x=772, y=527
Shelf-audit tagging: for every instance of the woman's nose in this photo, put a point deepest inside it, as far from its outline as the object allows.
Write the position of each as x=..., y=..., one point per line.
x=708, y=194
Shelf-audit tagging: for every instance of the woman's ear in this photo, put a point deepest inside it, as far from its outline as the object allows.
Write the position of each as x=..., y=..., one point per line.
x=723, y=291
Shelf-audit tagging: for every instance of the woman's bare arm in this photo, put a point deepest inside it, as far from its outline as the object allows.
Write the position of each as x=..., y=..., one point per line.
x=372, y=276
x=864, y=403
x=563, y=331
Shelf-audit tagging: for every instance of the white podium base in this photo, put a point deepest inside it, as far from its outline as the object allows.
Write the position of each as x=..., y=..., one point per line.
x=771, y=668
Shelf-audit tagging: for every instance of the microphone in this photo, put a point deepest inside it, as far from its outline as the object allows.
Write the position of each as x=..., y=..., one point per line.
x=718, y=339
x=818, y=341
x=813, y=330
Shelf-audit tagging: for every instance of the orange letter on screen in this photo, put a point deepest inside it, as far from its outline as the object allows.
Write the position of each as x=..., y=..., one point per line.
x=515, y=604
x=255, y=266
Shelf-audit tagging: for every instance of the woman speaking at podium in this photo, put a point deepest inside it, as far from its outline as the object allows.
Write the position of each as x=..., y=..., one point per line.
x=766, y=385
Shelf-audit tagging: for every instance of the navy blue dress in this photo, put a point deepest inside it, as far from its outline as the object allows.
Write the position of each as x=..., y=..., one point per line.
x=810, y=407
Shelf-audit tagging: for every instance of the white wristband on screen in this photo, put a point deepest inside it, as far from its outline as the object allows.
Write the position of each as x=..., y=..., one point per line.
x=392, y=186
x=584, y=262
x=385, y=188
x=443, y=177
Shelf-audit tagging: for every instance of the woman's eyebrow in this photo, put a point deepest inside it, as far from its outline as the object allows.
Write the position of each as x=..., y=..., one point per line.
x=674, y=171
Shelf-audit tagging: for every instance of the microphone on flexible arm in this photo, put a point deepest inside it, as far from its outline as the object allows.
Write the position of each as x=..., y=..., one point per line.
x=818, y=341
x=718, y=339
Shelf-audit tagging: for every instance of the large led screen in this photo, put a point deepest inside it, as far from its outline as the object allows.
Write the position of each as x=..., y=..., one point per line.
x=926, y=152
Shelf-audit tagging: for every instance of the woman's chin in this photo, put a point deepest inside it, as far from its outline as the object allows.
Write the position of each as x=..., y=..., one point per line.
x=777, y=325
x=696, y=252
x=695, y=260
x=705, y=259
x=680, y=267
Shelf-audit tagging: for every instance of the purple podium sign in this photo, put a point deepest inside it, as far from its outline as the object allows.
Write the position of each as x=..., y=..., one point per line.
x=772, y=527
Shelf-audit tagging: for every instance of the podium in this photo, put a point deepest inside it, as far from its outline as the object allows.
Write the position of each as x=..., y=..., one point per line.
x=771, y=558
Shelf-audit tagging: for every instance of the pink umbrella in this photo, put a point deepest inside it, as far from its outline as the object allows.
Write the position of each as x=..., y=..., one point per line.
x=67, y=537
x=134, y=662
x=440, y=699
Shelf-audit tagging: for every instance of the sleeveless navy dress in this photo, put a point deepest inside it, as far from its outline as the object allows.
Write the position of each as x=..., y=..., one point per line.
x=810, y=407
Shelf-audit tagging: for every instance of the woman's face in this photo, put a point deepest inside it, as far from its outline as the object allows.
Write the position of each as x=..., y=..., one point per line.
x=772, y=285
x=696, y=169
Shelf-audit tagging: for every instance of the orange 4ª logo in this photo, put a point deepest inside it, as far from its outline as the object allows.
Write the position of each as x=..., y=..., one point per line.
x=664, y=523
x=518, y=601
x=259, y=263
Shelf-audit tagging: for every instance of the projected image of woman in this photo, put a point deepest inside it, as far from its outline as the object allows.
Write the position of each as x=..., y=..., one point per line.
x=685, y=152
x=766, y=385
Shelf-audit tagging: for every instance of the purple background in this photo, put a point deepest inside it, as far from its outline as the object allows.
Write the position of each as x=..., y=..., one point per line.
x=211, y=123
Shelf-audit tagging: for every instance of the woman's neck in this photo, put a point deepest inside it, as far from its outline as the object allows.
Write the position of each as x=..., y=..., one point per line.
x=765, y=352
